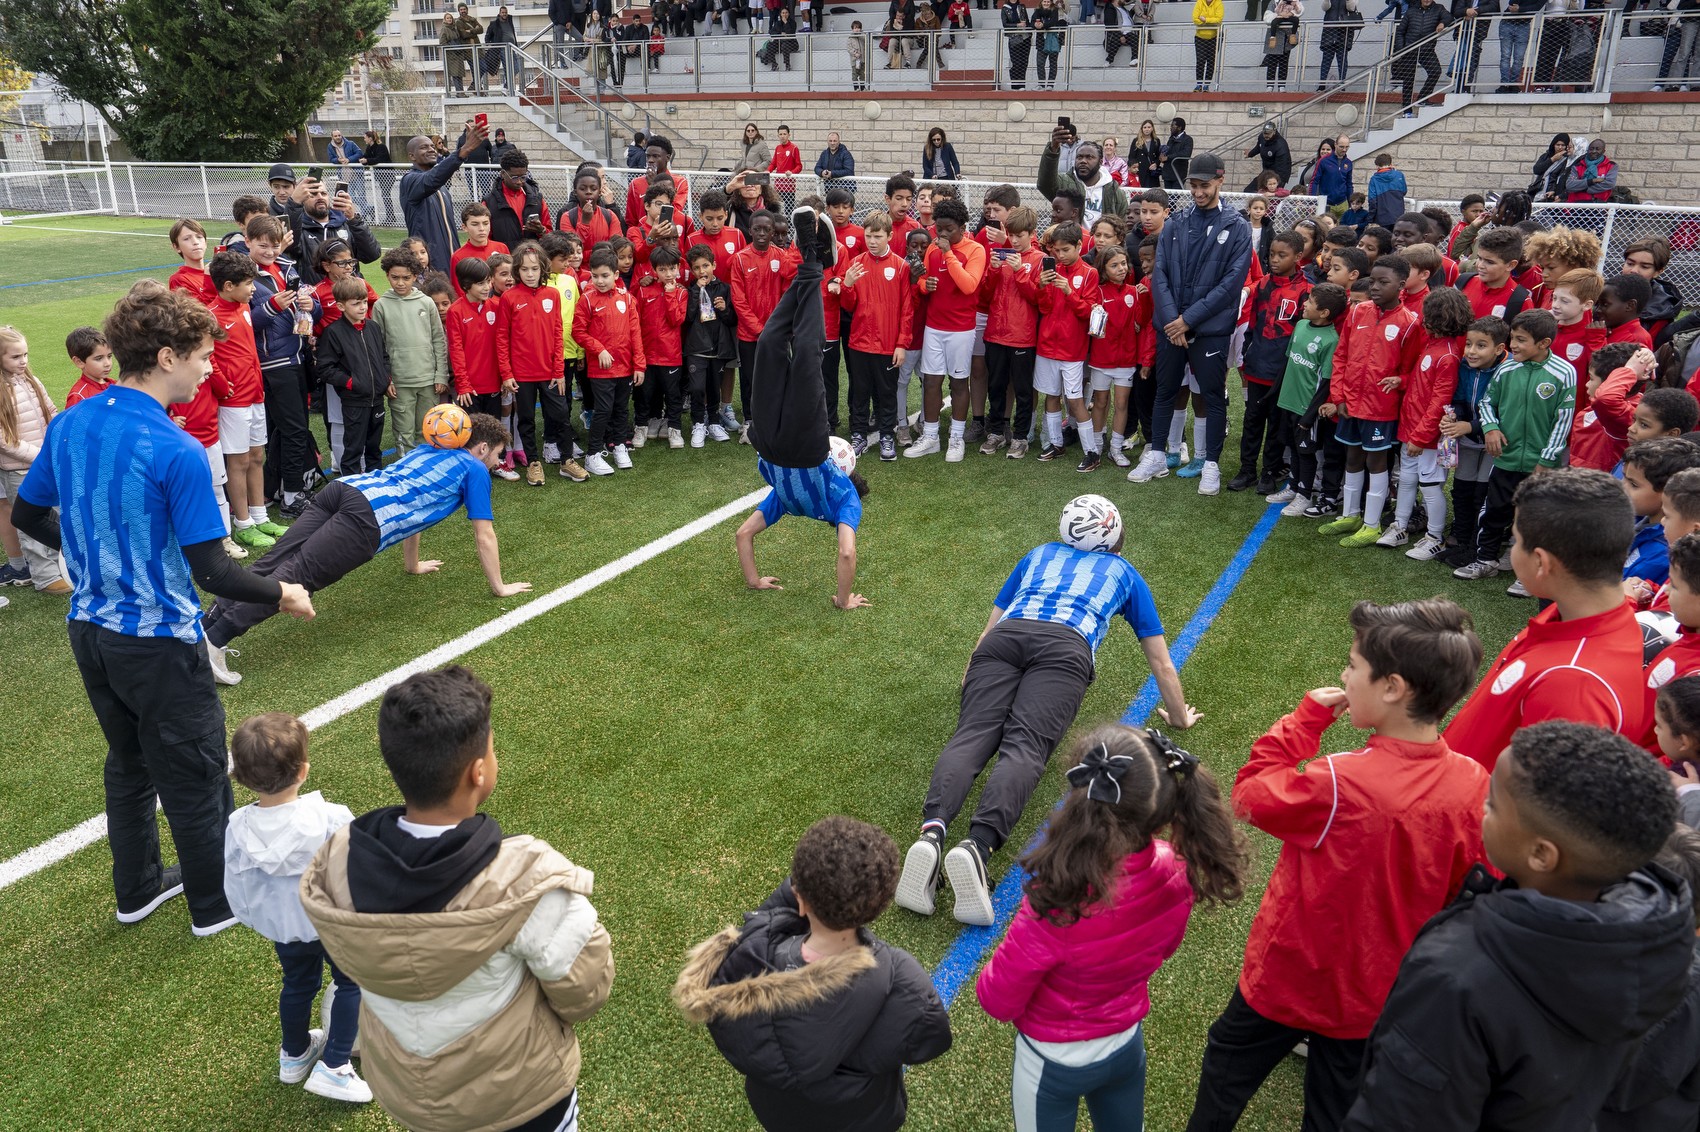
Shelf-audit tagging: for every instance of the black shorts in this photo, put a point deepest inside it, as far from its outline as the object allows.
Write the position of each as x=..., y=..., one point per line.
x=1371, y=436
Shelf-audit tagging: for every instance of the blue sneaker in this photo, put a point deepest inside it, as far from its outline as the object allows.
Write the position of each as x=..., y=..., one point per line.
x=14, y=575
x=1192, y=469
x=1176, y=459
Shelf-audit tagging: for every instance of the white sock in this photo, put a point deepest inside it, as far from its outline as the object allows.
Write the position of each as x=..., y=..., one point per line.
x=1199, y=425
x=242, y=524
x=223, y=507
x=1177, y=429
x=258, y=514
x=1116, y=441
x=1351, y=494
x=1375, y=499
x=929, y=430
x=1088, y=436
x=957, y=428
x=289, y=498
x=1407, y=494
x=1434, y=498
x=1053, y=428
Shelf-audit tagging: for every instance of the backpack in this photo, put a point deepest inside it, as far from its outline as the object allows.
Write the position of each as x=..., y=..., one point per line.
x=1514, y=303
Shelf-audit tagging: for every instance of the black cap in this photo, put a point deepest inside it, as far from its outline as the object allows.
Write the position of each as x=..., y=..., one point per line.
x=1205, y=167
x=281, y=172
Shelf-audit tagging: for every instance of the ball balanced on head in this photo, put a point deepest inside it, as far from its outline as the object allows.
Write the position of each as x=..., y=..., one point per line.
x=446, y=426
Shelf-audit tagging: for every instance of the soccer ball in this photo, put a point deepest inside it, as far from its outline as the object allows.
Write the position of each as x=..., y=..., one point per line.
x=1658, y=632
x=1091, y=522
x=446, y=426
x=840, y=453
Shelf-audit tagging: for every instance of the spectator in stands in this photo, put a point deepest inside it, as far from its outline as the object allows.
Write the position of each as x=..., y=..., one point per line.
x=1145, y=156
x=787, y=158
x=1412, y=45
x=635, y=154
x=1272, y=150
x=377, y=158
x=938, y=158
x=1206, y=30
x=1551, y=169
x=454, y=54
x=1593, y=176
x=1475, y=16
x=426, y=203
x=1514, y=43
x=1051, y=28
x=564, y=14
x=1177, y=155
x=1331, y=177
x=1282, y=37
x=500, y=32
x=1341, y=22
x=835, y=160
x=753, y=153
x=629, y=34
x=1013, y=13
x=500, y=146
x=1682, y=45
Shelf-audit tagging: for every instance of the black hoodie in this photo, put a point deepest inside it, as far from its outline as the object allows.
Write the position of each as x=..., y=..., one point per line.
x=390, y=871
x=1518, y=1012
x=1661, y=1090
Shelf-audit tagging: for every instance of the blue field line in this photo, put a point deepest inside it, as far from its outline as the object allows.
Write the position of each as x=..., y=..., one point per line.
x=80, y=278
x=963, y=957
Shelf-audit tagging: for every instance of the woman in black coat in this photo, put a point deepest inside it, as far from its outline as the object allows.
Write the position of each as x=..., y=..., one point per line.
x=1271, y=148
x=376, y=157
x=1145, y=156
x=1550, y=166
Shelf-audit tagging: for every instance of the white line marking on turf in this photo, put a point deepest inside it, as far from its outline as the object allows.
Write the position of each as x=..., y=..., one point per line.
x=56, y=849
x=92, y=231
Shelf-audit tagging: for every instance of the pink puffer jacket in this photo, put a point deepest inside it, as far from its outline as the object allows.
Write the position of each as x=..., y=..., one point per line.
x=33, y=408
x=1088, y=980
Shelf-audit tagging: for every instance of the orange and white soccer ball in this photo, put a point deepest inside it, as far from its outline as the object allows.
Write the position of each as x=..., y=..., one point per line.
x=446, y=426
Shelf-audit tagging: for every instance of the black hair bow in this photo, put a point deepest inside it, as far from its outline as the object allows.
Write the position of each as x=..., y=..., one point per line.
x=1100, y=773
x=1177, y=762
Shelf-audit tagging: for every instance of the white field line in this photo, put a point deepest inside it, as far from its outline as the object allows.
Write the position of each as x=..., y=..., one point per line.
x=56, y=849
x=92, y=231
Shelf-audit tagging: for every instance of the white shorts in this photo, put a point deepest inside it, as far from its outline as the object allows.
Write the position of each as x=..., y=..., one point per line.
x=241, y=429
x=947, y=352
x=980, y=334
x=215, y=461
x=1059, y=379
x=1102, y=379
x=1426, y=465
x=1189, y=382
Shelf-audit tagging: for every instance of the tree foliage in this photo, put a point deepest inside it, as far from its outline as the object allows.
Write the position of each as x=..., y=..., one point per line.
x=12, y=78
x=193, y=80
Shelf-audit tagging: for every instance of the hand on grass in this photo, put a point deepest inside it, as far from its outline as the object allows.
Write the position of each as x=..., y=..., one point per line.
x=1189, y=716
x=509, y=589
x=428, y=566
x=765, y=583
x=857, y=601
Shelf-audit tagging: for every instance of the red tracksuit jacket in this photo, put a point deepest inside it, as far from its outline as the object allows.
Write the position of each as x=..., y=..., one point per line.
x=661, y=318
x=830, y=303
x=1576, y=344
x=1681, y=658
x=1428, y=390
x=608, y=320
x=472, y=346
x=1119, y=346
x=1062, y=327
x=1374, y=842
x=196, y=281
x=1601, y=434
x=1011, y=297
x=725, y=244
x=236, y=380
x=954, y=303
x=883, y=303
x=1373, y=345
x=529, y=343
x=758, y=279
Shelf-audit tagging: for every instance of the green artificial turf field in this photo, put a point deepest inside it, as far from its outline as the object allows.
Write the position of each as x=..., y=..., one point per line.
x=669, y=729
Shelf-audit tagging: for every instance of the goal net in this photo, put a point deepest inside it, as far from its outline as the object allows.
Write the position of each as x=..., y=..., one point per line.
x=35, y=194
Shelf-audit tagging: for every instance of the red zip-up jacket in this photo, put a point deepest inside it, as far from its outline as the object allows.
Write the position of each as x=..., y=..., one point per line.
x=1576, y=344
x=529, y=343
x=471, y=251
x=854, y=239
x=758, y=279
x=236, y=379
x=1147, y=325
x=593, y=226
x=829, y=302
x=984, y=303
x=84, y=388
x=661, y=317
x=1631, y=331
x=954, y=303
x=1276, y=303
x=1062, y=327
x=1428, y=390
x=472, y=346
x=725, y=244
x=883, y=303
x=1374, y=842
x=196, y=281
x=1601, y=434
x=1681, y=658
x=330, y=310
x=1373, y=345
x=1012, y=310
x=200, y=415
x=1119, y=346
x=608, y=320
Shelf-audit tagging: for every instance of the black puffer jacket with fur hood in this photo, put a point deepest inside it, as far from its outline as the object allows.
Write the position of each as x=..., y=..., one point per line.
x=821, y=1047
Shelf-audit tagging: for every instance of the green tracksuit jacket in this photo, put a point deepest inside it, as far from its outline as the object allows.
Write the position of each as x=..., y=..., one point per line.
x=1532, y=403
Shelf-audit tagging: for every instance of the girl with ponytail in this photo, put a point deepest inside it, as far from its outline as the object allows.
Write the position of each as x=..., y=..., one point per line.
x=1106, y=903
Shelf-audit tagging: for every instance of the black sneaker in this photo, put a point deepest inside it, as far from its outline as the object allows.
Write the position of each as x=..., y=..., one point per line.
x=918, y=884
x=826, y=240
x=170, y=884
x=803, y=222
x=1266, y=484
x=1323, y=509
x=888, y=448
x=1242, y=481
x=1088, y=463
x=298, y=508
x=1050, y=452
x=858, y=443
x=967, y=872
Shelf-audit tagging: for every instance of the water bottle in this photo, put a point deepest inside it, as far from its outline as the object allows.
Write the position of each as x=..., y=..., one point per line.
x=303, y=317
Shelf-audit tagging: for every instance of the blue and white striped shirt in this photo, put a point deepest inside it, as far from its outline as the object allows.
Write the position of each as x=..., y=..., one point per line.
x=132, y=490
x=1082, y=589
x=422, y=489
x=822, y=492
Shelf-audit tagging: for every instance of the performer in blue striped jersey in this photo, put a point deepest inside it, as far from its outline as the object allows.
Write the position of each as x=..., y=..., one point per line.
x=812, y=472
x=1025, y=681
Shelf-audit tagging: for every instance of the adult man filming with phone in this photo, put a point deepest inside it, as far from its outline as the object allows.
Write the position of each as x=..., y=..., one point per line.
x=1089, y=177
x=426, y=203
x=316, y=217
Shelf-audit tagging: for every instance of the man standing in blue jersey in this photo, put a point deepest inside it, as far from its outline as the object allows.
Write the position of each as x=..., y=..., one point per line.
x=141, y=529
x=1024, y=684
x=794, y=444
x=355, y=518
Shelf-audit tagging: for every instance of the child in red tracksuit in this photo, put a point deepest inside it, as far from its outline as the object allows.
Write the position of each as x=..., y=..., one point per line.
x=530, y=349
x=1277, y=300
x=1378, y=346
x=760, y=274
x=876, y=289
x=1619, y=377
x=1428, y=397
x=1012, y=334
x=661, y=317
x=471, y=330
x=1067, y=294
x=610, y=329
x=1112, y=356
x=1373, y=842
x=831, y=290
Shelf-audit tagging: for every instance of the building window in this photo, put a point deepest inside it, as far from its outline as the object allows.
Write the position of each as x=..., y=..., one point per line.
x=430, y=55
x=348, y=90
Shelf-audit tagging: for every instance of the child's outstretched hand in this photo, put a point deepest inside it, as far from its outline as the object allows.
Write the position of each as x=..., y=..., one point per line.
x=1334, y=698
x=428, y=566
x=766, y=583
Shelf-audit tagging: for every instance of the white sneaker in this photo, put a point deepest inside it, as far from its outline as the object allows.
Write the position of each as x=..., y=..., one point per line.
x=622, y=458
x=1428, y=548
x=955, y=450
x=294, y=1070
x=597, y=465
x=639, y=437
x=676, y=439
x=1394, y=535
x=1210, y=480
x=728, y=419
x=1285, y=495
x=1516, y=589
x=968, y=880
x=1504, y=562
x=221, y=666
x=925, y=446
x=205, y=930
x=339, y=1084
x=698, y=433
x=504, y=473
x=1153, y=465
x=918, y=885
x=233, y=550
x=657, y=427
x=718, y=433
x=551, y=455
x=1118, y=457
x=1296, y=508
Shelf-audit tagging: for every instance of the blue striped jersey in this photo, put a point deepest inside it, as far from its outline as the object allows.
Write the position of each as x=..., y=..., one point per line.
x=1082, y=589
x=132, y=490
x=422, y=489
x=822, y=492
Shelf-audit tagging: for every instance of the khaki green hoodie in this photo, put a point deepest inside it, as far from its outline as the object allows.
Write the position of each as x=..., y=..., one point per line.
x=414, y=338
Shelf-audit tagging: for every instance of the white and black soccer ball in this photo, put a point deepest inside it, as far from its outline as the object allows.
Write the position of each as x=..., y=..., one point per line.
x=841, y=454
x=1658, y=632
x=1091, y=522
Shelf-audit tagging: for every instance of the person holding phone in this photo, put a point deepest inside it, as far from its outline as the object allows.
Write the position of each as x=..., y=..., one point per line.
x=316, y=217
x=1088, y=177
x=426, y=203
x=518, y=211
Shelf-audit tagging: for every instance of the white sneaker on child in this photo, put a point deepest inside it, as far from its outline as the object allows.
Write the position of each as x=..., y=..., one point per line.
x=294, y=1070
x=339, y=1084
x=622, y=458
x=676, y=439
x=718, y=432
x=926, y=446
x=597, y=465
x=698, y=434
